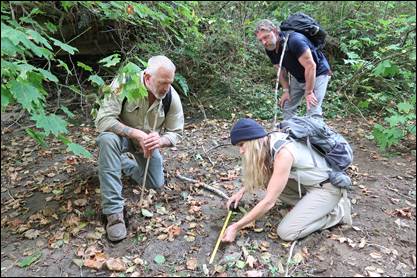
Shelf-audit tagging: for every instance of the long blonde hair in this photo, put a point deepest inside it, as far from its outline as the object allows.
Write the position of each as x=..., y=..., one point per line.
x=256, y=164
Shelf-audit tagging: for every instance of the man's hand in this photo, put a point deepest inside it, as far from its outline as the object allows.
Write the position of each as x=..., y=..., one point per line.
x=140, y=137
x=285, y=97
x=311, y=100
x=230, y=233
x=152, y=141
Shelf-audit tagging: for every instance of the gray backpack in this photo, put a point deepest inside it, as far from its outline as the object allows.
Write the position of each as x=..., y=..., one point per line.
x=330, y=144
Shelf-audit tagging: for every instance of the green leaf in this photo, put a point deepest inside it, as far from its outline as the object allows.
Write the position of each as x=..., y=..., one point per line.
x=133, y=89
x=38, y=136
x=50, y=124
x=66, y=111
x=159, y=259
x=131, y=69
x=9, y=48
x=38, y=38
x=84, y=66
x=65, y=66
x=48, y=75
x=79, y=150
x=25, y=93
x=405, y=107
x=30, y=259
x=71, y=50
x=110, y=61
x=182, y=82
x=240, y=264
x=146, y=213
x=96, y=79
x=396, y=119
x=6, y=96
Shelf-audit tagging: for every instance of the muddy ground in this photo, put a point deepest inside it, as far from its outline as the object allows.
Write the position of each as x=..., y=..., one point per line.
x=51, y=218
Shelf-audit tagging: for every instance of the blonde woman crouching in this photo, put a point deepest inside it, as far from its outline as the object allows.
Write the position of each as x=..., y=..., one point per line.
x=285, y=168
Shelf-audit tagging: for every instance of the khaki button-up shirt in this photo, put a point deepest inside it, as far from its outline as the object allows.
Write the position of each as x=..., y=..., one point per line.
x=139, y=115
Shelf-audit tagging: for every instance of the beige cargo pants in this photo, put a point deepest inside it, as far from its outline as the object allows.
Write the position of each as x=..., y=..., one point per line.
x=320, y=207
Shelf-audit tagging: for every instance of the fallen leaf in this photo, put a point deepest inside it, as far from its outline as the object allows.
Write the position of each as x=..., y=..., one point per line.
x=30, y=259
x=205, y=270
x=250, y=260
x=80, y=202
x=362, y=243
x=78, y=262
x=146, y=213
x=159, y=259
x=31, y=234
x=96, y=261
x=375, y=255
x=298, y=258
x=254, y=273
x=191, y=264
x=115, y=264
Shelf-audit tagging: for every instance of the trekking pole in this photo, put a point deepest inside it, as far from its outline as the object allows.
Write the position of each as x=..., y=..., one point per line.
x=149, y=158
x=277, y=82
x=220, y=237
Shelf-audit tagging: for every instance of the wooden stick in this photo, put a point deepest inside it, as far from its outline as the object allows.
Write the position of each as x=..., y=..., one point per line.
x=208, y=187
x=149, y=158
x=277, y=81
x=220, y=237
x=289, y=258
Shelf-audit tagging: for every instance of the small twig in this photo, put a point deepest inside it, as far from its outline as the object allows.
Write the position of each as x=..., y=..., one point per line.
x=212, y=163
x=217, y=146
x=205, y=186
x=289, y=258
x=396, y=190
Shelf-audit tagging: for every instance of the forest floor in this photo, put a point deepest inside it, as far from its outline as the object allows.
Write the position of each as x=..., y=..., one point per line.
x=51, y=217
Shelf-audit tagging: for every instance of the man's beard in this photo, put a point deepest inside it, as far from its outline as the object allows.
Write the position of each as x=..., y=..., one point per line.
x=272, y=45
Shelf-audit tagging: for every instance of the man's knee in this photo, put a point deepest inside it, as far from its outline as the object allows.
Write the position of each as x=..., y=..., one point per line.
x=286, y=233
x=107, y=139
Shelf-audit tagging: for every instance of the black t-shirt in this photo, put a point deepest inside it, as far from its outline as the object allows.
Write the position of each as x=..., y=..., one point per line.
x=296, y=46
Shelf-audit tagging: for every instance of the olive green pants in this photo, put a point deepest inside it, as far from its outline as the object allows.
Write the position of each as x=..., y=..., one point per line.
x=320, y=207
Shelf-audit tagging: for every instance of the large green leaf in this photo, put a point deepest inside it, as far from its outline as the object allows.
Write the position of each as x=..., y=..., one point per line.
x=50, y=123
x=68, y=48
x=78, y=150
x=25, y=93
x=30, y=259
x=405, y=107
x=96, y=79
x=110, y=61
x=133, y=89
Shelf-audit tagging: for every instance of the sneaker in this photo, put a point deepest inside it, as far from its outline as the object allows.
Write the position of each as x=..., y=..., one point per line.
x=116, y=228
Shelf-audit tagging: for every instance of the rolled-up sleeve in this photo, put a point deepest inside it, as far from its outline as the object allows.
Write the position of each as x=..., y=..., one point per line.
x=174, y=120
x=109, y=112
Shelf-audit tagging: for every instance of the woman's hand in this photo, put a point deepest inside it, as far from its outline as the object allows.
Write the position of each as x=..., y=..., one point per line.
x=235, y=199
x=230, y=233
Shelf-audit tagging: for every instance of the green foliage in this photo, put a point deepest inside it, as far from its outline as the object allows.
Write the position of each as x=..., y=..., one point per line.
x=400, y=123
x=22, y=82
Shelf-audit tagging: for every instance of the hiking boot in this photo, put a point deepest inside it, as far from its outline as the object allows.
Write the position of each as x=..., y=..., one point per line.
x=116, y=228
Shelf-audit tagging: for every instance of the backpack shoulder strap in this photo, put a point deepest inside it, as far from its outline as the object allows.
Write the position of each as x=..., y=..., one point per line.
x=166, y=102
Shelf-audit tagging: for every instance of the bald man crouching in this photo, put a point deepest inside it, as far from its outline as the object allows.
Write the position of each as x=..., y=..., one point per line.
x=127, y=127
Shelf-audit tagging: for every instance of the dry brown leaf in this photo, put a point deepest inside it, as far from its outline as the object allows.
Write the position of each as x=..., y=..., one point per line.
x=192, y=264
x=97, y=261
x=115, y=264
x=173, y=231
x=80, y=202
